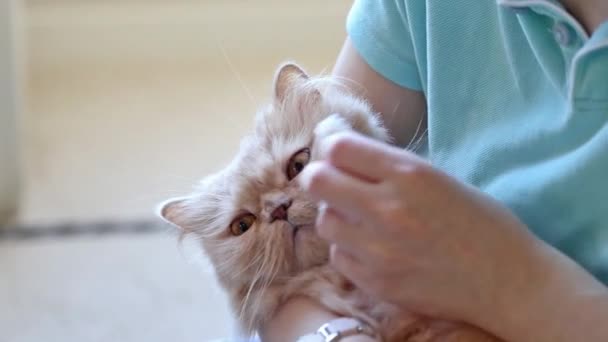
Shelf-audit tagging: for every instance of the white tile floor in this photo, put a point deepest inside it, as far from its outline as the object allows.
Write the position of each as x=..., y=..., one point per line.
x=127, y=103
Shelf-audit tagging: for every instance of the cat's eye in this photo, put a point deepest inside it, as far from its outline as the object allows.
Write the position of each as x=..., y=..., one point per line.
x=242, y=224
x=297, y=163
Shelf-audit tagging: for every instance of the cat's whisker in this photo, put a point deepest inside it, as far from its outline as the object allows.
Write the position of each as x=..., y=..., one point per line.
x=270, y=268
x=236, y=73
x=273, y=270
x=258, y=275
x=254, y=261
x=349, y=84
x=324, y=70
x=415, y=137
x=418, y=143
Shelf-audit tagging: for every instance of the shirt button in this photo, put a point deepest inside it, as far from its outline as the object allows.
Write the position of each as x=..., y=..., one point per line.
x=562, y=34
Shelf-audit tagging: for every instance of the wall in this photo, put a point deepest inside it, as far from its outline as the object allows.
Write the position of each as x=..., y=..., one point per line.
x=9, y=174
x=130, y=102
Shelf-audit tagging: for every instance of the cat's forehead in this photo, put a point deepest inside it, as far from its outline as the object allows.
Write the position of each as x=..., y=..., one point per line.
x=280, y=130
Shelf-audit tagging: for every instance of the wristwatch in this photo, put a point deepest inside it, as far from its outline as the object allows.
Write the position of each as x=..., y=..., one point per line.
x=335, y=330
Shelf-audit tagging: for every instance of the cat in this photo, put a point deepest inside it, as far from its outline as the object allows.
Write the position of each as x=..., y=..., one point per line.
x=256, y=225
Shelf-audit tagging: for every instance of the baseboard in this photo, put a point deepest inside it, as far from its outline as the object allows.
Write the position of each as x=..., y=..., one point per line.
x=75, y=229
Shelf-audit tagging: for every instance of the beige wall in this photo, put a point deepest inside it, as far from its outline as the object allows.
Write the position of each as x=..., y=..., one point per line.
x=129, y=102
x=9, y=174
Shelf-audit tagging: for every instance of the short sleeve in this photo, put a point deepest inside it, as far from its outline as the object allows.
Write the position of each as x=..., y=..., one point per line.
x=380, y=33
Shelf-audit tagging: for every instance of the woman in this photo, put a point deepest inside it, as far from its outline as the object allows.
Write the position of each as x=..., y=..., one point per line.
x=506, y=226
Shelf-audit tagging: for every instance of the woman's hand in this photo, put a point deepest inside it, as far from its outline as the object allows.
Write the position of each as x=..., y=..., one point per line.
x=412, y=235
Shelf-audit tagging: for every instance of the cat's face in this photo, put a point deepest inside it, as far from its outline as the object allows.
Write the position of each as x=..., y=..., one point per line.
x=254, y=221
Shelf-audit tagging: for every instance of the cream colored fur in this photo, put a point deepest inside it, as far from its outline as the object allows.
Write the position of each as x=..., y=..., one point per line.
x=269, y=263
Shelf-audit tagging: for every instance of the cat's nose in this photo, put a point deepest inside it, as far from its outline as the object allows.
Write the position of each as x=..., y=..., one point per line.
x=280, y=212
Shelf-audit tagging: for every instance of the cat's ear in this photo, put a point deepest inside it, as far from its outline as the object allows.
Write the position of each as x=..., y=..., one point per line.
x=174, y=211
x=287, y=77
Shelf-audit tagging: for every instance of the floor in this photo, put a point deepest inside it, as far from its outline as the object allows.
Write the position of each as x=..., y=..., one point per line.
x=128, y=103
x=129, y=288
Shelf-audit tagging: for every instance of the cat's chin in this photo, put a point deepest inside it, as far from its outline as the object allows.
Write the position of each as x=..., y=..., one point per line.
x=309, y=249
x=304, y=228
x=300, y=234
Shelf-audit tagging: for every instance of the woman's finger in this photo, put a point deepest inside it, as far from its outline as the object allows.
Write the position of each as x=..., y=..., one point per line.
x=346, y=263
x=351, y=197
x=332, y=226
x=363, y=157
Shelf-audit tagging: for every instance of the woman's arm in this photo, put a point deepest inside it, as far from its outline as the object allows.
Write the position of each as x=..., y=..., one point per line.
x=402, y=111
x=412, y=235
x=301, y=316
x=560, y=303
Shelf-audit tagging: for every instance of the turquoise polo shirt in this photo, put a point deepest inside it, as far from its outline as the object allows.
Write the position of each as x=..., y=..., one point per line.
x=517, y=97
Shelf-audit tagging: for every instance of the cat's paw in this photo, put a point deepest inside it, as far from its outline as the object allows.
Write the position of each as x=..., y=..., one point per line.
x=333, y=124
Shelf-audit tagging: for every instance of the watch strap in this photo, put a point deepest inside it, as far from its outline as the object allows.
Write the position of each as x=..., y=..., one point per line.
x=335, y=330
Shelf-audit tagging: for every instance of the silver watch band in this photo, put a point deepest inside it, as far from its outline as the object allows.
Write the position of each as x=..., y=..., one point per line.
x=335, y=330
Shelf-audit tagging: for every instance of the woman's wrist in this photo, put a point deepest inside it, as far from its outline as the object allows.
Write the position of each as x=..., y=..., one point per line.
x=553, y=299
x=298, y=316
x=301, y=316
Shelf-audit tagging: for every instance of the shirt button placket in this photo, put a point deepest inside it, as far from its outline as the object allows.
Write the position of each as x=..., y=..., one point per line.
x=562, y=34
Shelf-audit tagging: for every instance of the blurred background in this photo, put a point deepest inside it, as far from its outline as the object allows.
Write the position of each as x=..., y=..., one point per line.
x=106, y=108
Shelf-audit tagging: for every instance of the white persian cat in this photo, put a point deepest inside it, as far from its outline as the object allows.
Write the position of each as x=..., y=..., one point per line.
x=257, y=226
